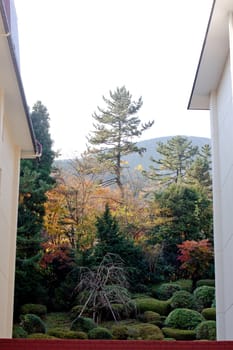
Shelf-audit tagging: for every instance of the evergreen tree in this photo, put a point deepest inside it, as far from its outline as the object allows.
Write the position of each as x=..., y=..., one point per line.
x=35, y=180
x=115, y=129
x=176, y=157
x=185, y=214
x=199, y=172
x=111, y=240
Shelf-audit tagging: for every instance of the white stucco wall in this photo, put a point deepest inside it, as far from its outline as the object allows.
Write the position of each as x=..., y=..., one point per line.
x=9, y=165
x=222, y=137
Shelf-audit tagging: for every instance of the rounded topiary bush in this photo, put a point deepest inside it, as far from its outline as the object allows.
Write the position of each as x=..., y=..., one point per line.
x=99, y=333
x=149, y=331
x=206, y=330
x=185, y=284
x=119, y=332
x=75, y=311
x=36, y=309
x=182, y=299
x=133, y=333
x=151, y=317
x=166, y=290
x=206, y=282
x=150, y=304
x=32, y=324
x=209, y=313
x=183, y=319
x=66, y=334
x=19, y=332
x=84, y=324
x=204, y=296
x=40, y=336
x=179, y=334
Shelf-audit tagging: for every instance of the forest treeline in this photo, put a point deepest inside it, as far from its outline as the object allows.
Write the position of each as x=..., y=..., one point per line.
x=76, y=224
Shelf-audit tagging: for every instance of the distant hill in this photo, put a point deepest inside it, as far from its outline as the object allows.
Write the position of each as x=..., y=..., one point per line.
x=135, y=159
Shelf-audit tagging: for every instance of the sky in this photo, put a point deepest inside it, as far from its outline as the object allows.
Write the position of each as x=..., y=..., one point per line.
x=74, y=52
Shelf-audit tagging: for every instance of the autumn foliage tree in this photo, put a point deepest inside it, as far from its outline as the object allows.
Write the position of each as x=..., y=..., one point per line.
x=196, y=258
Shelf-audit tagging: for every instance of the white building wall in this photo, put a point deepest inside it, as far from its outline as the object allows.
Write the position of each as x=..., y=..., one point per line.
x=222, y=136
x=9, y=165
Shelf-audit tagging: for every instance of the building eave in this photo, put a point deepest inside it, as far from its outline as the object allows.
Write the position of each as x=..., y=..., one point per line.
x=16, y=109
x=213, y=56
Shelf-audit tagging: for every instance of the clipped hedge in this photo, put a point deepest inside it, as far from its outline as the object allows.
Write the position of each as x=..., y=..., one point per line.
x=99, y=333
x=166, y=290
x=19, y=332
x=204, y=296
x=209, y=313
x=75, y=311
x=148, y=331
x=84, y=324
x=183, y=319
x=120, y=332
x=206, y=330
x=182, y=299
x=151, y=317
x=150, y=304
x=40, y=336
x=36, y=309
x=179, y=334
x=32, y=324
x=66, y=334
x=185, y=284
x=205, y=282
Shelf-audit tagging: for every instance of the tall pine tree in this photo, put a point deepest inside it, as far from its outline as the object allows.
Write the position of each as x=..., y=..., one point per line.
x=115, y=130
x=176, y=156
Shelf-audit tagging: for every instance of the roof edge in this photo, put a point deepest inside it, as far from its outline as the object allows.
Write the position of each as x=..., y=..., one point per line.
x=201, y=56
x=17, y=73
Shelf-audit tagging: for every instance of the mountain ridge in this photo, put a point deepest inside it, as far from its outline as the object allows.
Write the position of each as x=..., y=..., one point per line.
x=133, y=160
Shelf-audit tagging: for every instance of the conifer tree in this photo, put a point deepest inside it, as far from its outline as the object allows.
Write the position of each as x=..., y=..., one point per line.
x=35, y=180
x=116, y=127
x=176, y=156
x=111, y=240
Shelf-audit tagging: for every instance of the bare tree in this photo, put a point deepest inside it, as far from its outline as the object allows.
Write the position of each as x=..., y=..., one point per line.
x=105, y=285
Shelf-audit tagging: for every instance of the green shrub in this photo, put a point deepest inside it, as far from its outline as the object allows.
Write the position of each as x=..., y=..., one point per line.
x=151, y=317
x=19, y=332
x=206, y=330
x=99, y=333
x=185, y=284
x=182, y=299
x=179, y=334
x=84, y=324
x=32, y=324
x=166, y=290
x=66, y=334
x=149, y=331
x=209, y=313
x=133, y=333
x=36, y=309
x=204, y=296
x=40, y=336
x=120, y=332
x=183, y=319
x=150, y=304
x=206, y=282
x=75, y=311
x=121, y=311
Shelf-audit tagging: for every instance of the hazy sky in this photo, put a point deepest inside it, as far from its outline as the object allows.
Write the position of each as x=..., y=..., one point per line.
x=74, y=51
